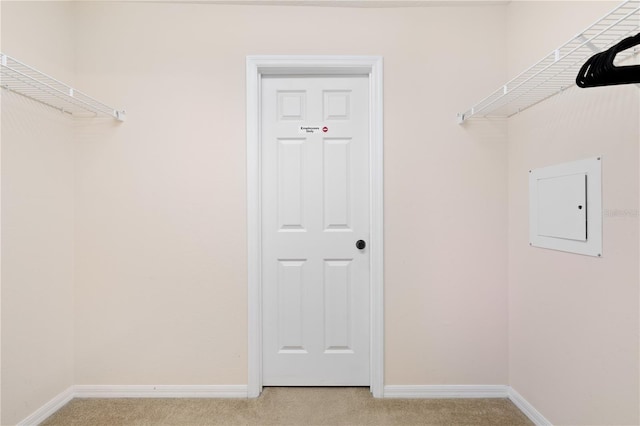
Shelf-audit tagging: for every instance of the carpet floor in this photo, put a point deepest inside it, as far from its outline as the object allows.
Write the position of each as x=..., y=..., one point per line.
x=289, y=406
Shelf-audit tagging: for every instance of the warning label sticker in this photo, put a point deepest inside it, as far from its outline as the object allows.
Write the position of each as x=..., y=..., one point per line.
x=305, y=130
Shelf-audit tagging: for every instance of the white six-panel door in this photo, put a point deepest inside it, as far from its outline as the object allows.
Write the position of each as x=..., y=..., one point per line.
x=315, y=207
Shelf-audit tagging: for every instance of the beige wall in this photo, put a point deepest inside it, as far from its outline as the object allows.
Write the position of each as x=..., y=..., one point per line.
x=124, y=250
x=37, y=218
x=573, y=320
x=0, y=229
x=161, y=224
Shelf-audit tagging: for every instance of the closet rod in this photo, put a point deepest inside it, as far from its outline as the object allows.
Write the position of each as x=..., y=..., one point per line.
x=27, y=81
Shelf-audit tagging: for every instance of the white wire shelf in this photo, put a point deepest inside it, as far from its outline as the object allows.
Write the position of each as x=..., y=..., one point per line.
x=558, y=70
x=33, y=84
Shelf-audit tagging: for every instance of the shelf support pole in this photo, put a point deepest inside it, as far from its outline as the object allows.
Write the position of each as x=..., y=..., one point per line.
x=587, y=43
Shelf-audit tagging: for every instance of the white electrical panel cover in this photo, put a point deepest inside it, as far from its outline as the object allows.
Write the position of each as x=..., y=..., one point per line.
x=565, y=207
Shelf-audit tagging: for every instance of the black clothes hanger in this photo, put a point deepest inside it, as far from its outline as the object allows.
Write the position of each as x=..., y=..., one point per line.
x=600, y=71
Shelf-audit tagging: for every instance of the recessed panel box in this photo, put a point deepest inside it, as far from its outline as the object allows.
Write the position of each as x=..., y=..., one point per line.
x=565, y=207
x=562, y=207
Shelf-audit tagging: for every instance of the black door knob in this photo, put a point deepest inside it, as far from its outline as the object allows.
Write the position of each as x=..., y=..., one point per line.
x=360, y=244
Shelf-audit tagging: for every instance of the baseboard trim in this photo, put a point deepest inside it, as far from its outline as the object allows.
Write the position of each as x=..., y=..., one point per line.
x=241, y=391
x=150, y=391
x=446, y=391
x=528, y=409
x=48, y=409
x=161, y=391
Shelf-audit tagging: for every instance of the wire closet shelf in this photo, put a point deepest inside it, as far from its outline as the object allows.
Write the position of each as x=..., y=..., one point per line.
x=24, y=80
x=558, y=70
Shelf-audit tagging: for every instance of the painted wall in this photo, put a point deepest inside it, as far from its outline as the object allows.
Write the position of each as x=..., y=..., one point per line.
x=37, y=217
x=574, y=320
x=149, y=222
x=0, y=229
x=160, y=200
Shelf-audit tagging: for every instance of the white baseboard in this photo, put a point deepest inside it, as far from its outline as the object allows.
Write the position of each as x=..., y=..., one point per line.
x=468, y=391
x=528, y=409
x=241, y=391
x=161, y=391
x=110, y=391
x=446, y=391
x=48, y=409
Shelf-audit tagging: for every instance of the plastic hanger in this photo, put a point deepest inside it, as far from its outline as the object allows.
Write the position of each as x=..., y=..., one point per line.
x=599, y=70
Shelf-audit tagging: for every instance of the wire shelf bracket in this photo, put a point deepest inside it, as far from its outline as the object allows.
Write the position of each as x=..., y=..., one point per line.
x=557, y=71
x=24, y=80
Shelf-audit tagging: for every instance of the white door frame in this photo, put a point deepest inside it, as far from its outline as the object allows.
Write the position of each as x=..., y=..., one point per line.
x=257, y=67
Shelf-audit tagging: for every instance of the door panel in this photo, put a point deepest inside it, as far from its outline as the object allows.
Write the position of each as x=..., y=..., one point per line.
x=337, y=193
x=290, y=184
x=315, y=206
x=290, y=299
x=337, y=306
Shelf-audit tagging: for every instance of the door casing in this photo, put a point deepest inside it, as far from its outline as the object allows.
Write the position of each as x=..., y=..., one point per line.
x=256, y=68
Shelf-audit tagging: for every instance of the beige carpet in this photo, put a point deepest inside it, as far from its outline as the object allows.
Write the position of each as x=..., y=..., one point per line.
x=290, y=406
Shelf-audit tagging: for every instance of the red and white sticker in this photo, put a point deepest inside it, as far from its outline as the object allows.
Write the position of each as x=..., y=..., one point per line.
x=311, y=129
